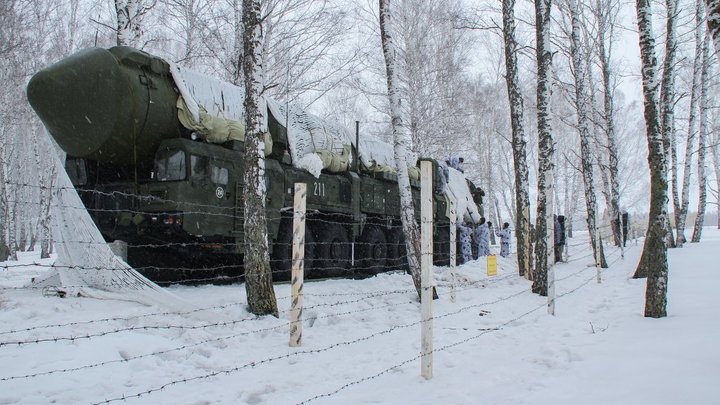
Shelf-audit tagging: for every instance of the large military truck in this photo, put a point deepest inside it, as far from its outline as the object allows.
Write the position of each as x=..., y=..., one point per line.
x=174, y=195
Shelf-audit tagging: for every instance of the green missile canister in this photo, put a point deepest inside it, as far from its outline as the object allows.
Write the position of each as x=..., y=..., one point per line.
x=111, y=105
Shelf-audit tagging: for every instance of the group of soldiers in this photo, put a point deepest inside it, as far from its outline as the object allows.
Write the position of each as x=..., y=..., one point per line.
x=474, y=242
x=474, y=239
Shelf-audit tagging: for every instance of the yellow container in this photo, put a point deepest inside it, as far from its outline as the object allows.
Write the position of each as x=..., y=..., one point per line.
x=492, y=265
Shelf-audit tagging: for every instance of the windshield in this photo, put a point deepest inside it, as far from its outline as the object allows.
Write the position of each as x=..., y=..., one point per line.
x=170, y=165
x=202, y=168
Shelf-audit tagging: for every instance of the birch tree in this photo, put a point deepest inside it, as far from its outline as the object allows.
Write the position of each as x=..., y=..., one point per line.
x=401, y=142
x=130, y=15
x=47, y=176
x=606, y=13
x=702, y=141
x=15, y=46
x=714, y=146
x=7, y=222
x=258, y=277
x=713, y=23
x=667, y=104
x=519, y=141
x=695, y=95
x=653, y=262
x=546, y=148
x=583, y=115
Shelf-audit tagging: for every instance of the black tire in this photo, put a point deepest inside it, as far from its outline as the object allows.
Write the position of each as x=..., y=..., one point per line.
x=333, y=252
x=396, y=250
x=441, y=245
x=281, y=261
x=372, y=251
x=459, y=259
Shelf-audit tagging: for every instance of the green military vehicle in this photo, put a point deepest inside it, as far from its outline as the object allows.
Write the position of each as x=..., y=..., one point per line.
x=176, y=199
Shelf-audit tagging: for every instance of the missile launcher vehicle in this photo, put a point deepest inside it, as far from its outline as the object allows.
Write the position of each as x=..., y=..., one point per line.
x=156, y=153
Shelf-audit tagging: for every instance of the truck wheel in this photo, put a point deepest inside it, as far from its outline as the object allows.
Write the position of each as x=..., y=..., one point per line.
x=281, y=261
x=441, y=246
x=373, y=251
x=396, y=250
x=333, y=251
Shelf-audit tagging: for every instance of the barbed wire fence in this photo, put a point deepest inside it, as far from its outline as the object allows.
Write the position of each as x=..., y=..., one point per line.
x=155, y=320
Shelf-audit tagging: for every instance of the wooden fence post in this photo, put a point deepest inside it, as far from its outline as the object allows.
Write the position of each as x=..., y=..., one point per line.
x=426, y=239
x=453, y=246
x=597, y=248
x=550, y=218
x=528, y=247
x=298, y=264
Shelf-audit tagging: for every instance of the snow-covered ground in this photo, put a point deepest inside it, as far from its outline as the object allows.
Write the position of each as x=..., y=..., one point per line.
x=496, y=344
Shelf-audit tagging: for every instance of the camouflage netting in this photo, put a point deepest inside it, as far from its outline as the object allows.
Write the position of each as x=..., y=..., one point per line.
x=85, y=265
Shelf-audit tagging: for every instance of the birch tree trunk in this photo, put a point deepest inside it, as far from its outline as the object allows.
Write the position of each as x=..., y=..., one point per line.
x=673, y=172
x=695, y=95
x=613, y=160
x=130, y=14
x=236, y=71
x=653, y=262
x=581, y=105
x=401, y=141
x=713, y=22
x=519, y=141
x=702, y=142
x=45, y=185
x=606, y=15
x=4, y=198
x=667, y=107
x=546, y=148
x=9, y=193
x=714, y=146
x=258, y=276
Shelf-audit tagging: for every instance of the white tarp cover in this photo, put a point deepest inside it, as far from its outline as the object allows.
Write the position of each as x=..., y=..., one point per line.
x=457, y=189
x=218, y=98
x=307, y=133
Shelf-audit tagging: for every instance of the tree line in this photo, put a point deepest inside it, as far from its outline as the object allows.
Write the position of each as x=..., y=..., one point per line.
x=538, y=100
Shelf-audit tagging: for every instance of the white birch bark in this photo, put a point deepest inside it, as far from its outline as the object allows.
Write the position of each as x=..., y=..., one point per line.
x=5, y=217
x=653, y=262
x=519, y=141
x=702, y=140
x=258, y=277
x=581, y=105
x=546, y=147
x=130, y=15
x=237, y=52
x=600, y=150
x=714, y=146
x=695, y=95
x=401, y=143
x=713, y=23
x=45, y=188
x=606, y=15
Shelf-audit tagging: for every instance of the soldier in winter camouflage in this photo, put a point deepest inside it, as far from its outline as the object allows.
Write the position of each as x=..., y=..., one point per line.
x=504, y=235
x=482, y=238
x=465, y=234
